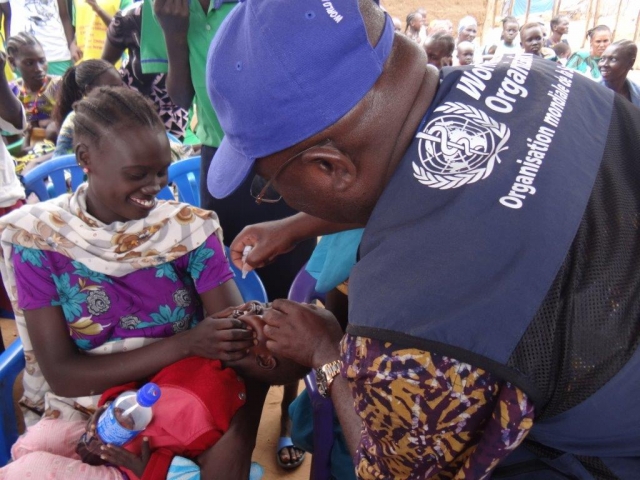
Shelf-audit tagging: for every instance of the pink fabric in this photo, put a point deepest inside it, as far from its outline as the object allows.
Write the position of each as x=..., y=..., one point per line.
x=47, y=452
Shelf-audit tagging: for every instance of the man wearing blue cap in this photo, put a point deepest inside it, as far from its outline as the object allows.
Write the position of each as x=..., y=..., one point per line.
x=493, y=309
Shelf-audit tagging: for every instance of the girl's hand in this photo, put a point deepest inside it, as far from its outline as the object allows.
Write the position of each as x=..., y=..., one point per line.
x=223, y=339
x=123, y=458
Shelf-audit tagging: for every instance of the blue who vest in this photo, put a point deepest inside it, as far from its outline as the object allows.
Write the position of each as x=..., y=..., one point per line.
x=508, y=238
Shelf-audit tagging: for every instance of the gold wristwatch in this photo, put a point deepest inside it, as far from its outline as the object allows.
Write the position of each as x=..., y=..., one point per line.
x=325, y=376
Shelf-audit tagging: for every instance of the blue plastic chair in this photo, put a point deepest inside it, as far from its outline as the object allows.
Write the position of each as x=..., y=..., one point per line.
x=53, y=169
x=303, y=290
x=12, y=363
x=165, y=194
x=251, y=288
x=185, y=174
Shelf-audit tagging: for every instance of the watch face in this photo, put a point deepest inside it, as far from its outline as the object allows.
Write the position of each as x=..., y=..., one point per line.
x=322, y=390
x=321, y=382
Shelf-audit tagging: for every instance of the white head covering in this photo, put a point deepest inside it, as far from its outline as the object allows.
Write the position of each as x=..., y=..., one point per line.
x=466, y=22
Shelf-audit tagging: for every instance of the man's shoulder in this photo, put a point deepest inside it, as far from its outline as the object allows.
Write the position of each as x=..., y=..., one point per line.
x=634, y=89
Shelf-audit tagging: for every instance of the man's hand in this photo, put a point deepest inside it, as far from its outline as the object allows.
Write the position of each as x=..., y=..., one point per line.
x=173, y=16
x=306, y=334
x=268, y=239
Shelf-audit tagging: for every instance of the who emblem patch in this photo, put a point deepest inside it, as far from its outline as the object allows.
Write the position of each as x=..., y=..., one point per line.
x=460, y=146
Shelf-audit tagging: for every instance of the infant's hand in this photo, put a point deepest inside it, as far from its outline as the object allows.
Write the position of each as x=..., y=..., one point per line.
x=89, y=446
x=123, y=458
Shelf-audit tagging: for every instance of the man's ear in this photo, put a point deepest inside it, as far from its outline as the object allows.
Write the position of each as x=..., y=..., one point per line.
x=335, y=165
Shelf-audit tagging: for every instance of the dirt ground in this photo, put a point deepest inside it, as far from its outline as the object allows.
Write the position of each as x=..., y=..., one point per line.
x=268, y=433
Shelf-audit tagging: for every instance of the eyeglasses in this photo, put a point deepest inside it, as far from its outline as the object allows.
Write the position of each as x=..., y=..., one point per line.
x=261, y=188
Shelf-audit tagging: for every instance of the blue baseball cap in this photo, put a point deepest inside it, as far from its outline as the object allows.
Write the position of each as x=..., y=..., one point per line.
x=280, y=71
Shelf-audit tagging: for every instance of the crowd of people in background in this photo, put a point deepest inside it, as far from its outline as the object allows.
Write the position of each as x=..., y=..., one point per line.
x=57, y=54
x=444, y=48
x=43, y=41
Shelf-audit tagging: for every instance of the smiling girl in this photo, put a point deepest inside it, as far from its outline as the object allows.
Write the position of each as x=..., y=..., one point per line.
x=110, y=285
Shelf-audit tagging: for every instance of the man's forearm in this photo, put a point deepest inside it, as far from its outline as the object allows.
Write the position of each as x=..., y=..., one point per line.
x=342, y=399
x=350, y=421
x=303, y=226
x=178, y=80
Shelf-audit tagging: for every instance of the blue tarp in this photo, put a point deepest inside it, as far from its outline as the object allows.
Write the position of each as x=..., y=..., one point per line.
x=537, y=6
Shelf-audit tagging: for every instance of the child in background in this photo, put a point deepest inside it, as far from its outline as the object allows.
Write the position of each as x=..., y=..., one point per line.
x=465, y=53
x=562, y=51
x=37, y=92
x=507, y=44
x=532, y=40
x=76, y=83
x=439, y=50
x=35, y=89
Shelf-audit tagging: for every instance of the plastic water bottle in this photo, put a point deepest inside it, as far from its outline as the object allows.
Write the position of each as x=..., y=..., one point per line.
x=128, y=415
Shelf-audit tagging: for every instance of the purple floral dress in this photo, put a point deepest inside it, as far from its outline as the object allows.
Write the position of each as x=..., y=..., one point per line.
x=153, y=302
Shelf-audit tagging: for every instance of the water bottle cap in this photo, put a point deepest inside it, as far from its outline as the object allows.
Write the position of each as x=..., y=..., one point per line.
x=148, y=394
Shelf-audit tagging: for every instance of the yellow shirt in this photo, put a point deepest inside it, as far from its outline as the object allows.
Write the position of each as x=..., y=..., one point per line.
x=7, y=68
x=91, y=32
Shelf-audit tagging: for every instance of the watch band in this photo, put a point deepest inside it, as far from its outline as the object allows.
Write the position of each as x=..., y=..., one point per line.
x=325, y=376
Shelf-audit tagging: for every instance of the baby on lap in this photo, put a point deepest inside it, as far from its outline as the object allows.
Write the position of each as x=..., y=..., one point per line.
x=199, y=398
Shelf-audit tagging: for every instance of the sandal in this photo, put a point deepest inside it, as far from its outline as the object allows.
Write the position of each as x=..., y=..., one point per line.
x=284, y=442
